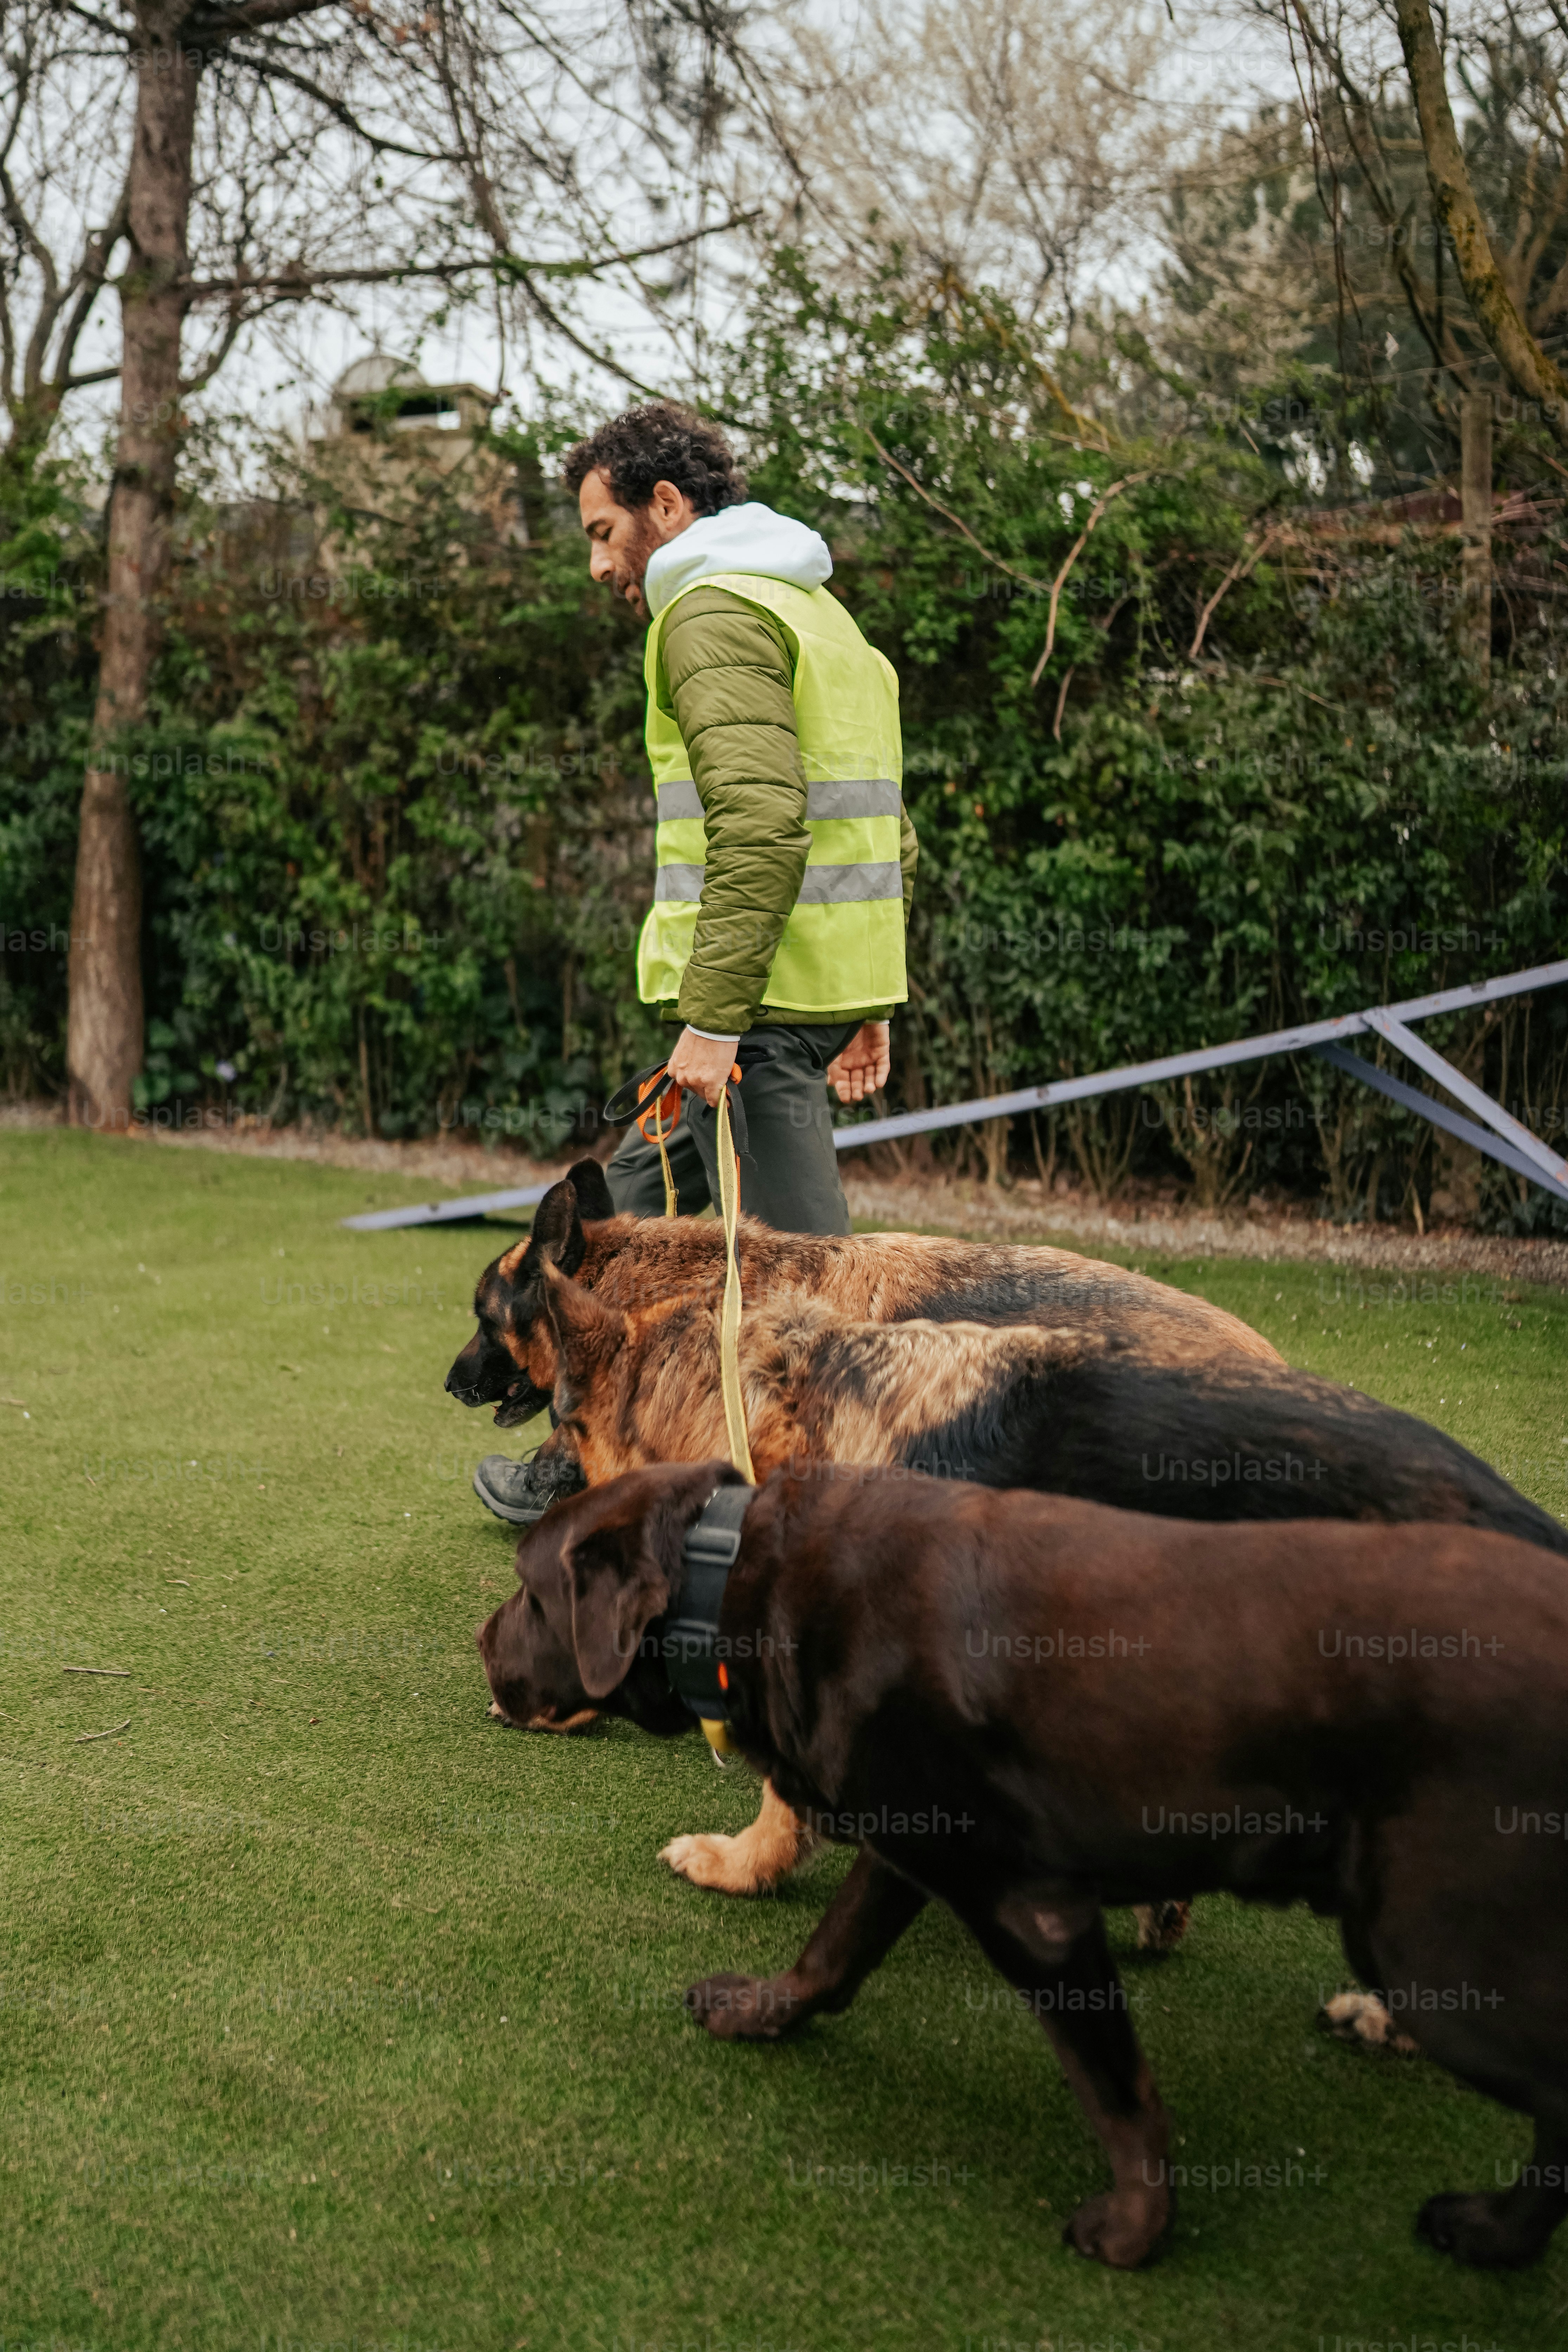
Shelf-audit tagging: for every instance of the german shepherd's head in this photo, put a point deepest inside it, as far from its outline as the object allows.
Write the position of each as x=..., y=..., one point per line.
x=510, y=1363
x=640, y=1386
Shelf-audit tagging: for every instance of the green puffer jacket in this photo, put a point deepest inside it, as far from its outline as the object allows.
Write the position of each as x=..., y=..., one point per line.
x=726, y=666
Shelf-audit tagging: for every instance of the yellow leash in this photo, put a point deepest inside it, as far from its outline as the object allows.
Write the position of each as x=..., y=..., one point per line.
x=654, y=1125
x=718, y=1734
x=729, y=1318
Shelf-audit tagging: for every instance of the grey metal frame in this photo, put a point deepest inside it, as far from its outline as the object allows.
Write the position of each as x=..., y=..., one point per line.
x=1500, y=1136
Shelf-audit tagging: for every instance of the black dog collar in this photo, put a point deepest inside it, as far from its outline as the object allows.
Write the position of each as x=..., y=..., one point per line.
x=696, y=1673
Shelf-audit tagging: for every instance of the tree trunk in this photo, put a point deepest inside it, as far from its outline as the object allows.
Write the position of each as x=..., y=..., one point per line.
x=1475, y=511
x=1535, y=377
x=104, y=1028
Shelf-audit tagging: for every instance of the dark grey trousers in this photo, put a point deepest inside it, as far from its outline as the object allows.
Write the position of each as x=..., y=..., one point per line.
x=789, y=1171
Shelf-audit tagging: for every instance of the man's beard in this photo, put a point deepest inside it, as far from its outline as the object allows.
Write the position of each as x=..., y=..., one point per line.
x=632, y=566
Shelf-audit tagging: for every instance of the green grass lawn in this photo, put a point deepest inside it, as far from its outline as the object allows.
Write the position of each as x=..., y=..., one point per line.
x=330, y=2010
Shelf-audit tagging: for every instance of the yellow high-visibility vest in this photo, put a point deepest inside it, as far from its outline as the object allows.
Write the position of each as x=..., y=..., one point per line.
x=843, y=946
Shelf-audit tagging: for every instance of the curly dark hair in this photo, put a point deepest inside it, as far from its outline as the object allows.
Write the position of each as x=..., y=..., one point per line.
x=662, y=442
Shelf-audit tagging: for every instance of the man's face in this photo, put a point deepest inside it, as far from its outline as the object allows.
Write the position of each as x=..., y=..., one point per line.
x=623, y=538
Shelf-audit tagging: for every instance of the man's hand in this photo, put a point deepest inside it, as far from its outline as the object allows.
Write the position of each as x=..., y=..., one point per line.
x=863, y=1065
x=703, y=1064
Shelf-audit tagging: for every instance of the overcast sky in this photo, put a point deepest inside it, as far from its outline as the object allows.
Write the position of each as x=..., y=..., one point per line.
x=1216, y=65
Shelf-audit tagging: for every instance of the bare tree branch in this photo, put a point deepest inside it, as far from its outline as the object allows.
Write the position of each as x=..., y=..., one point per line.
x=1074, y=551
x=278, y=69
x=301, y=280
x=948, y=516
x=1238, y=570
x=206, y=30
x=37, y=362
x=1533, y=375
x=91, y=278
x=233, y=327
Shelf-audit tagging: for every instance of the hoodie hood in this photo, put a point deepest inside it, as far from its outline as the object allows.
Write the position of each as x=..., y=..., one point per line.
x=748, y=539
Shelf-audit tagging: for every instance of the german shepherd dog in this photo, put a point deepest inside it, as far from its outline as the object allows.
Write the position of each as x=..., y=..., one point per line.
x=632, y=1264
x=636, y=1262
x=1069, y=1410
x=1347, y=1714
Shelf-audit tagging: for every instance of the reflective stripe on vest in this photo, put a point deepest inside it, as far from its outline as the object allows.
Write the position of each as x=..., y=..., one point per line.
x=821, y=886
x=851, y=796
x=843, y=945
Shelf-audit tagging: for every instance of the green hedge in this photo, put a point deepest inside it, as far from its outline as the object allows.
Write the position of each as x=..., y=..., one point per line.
x=396, y=809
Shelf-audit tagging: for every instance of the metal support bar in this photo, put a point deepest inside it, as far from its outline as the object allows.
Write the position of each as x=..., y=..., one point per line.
x=1454, y=1082
x=1177, y=1066
x=1387, y=1019
x=1355, y=1067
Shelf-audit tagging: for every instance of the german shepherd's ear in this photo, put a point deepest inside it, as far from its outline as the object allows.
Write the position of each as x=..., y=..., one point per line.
x=588, y=1336
x=588, y=1181
x=557, y=1235
x=577, y=1317
x=617, y=1588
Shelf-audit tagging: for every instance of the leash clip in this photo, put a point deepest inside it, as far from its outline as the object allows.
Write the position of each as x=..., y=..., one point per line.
x=721, y=1747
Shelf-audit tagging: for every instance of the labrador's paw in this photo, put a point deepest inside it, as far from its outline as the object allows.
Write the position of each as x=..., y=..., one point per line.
x=1486, y=2232
x=1121, y=2229
x=742, y=2009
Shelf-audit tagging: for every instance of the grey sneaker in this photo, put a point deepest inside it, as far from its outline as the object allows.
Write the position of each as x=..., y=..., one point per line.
x=523, y=1491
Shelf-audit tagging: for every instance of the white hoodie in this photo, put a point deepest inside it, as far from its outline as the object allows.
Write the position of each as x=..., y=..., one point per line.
x=749, y=539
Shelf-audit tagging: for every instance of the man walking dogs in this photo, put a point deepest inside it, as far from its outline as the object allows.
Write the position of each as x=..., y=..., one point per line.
x=785, y=858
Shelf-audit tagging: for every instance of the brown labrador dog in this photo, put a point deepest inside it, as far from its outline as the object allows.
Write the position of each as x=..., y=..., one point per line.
x=1028, y=1708
x=1071, y=1410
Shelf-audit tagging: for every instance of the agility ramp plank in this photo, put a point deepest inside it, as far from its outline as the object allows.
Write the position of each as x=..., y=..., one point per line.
x=1481, y=1138
x=447, y=1212
x=1503, y=1138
